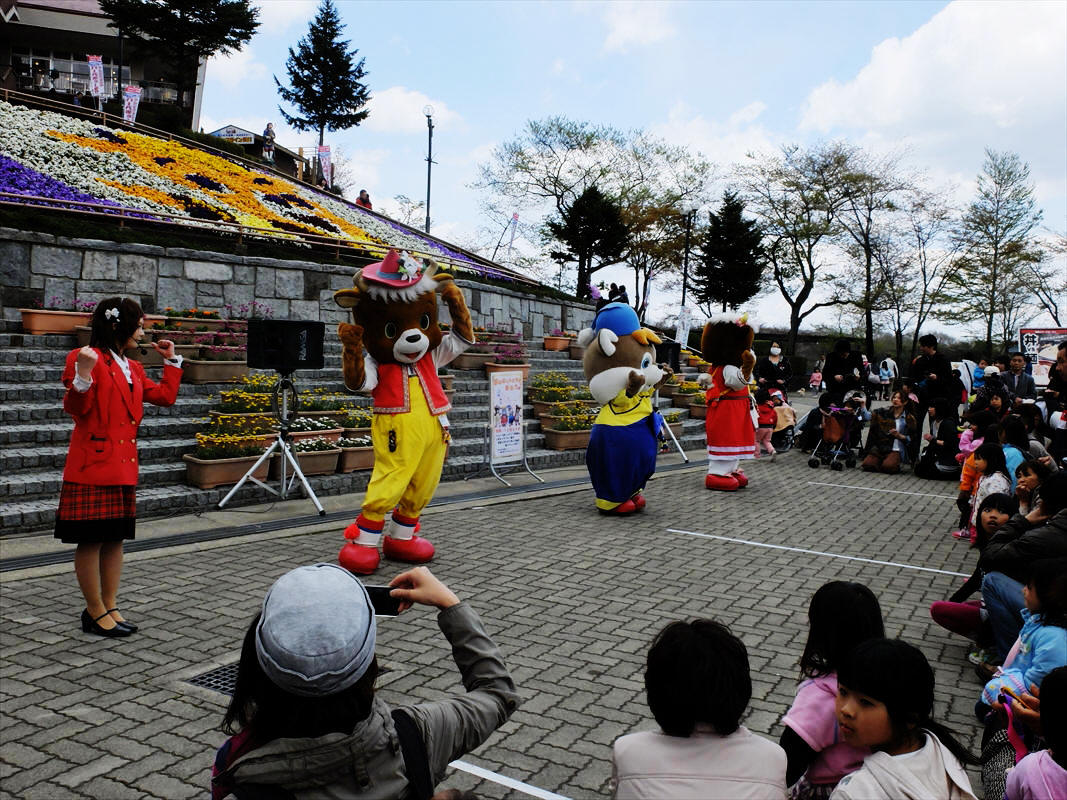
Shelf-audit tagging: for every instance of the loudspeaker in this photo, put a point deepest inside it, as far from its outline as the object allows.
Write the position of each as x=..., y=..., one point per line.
x=285, y=345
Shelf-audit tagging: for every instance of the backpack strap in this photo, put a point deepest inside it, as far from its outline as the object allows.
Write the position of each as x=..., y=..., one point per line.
x=416, y=761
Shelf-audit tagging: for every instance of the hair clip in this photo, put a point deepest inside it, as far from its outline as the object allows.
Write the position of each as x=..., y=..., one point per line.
x=112, y=313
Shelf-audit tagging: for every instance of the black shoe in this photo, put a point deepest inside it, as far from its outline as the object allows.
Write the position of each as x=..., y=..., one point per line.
x=124, y=623
x=89, y=626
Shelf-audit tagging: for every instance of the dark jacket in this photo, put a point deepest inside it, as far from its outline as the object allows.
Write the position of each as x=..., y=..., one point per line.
x=849, y=366
x=767, y=370
x=1022, y=386
x=880, y=439
x=942, y=385
x=1019, y=543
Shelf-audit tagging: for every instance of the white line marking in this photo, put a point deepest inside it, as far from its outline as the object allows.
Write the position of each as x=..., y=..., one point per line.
x=818, y=553
x=888, y=491
x=511, y=783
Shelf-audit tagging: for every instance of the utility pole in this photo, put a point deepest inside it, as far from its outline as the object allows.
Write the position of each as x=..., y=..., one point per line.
x=685, y=259
x=428, y=111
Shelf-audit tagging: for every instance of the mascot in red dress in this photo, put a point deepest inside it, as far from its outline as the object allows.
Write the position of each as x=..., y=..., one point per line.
x=730, y=423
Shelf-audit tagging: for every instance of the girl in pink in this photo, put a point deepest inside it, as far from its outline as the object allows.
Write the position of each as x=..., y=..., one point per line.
x=1043, y=775
x=767, y=418
x=841, y=615
x=815, y=383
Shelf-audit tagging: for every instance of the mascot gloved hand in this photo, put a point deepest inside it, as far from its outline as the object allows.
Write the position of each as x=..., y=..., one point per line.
x=620, y=367
x=393, y=350
x=726, y=344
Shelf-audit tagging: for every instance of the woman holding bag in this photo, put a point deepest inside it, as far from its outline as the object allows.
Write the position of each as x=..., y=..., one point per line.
x=105, y=395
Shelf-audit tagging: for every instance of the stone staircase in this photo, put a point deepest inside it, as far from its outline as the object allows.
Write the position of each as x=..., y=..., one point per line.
x=34, y=432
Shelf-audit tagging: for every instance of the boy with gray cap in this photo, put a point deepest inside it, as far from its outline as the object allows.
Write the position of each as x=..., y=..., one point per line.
x=304, y=713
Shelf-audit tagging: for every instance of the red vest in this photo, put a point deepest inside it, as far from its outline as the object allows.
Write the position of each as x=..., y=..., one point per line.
x=720, y=391
x=391, y=393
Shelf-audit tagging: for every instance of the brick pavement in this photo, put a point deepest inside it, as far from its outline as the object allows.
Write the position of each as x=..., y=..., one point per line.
x=573, y=598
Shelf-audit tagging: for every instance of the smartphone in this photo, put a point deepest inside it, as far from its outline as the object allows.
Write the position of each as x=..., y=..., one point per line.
x=1010, y=692
x=383, y=604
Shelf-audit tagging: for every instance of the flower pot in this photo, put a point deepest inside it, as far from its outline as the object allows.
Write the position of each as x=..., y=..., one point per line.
x=470, y=360
x=676, y=428
x=37, y=321
x=150, y=357
x=222, y=353
x=446, y=381
x=267, y=415
x=576, y=352
x=217, y=472
x=542, y=407
x=333, y=416
x=668, y=389
x=698, y=410
x=353, y=433
x=492, y=366
x=180, y=336
x=192, y=323
x=566, y=440
x=230, y=339
x=682, y=400
x=213, y=371
x=694, y=361
x=557, y=343
x=318, y=462
x=355, y=458
x=332, y=435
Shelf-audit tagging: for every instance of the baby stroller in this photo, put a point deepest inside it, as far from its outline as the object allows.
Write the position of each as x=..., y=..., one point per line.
x=839, y=432
x=785, y=427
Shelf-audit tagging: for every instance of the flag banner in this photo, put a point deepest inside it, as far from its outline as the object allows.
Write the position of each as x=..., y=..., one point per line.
x=96, y=76
x=324, y=161
x=131, y=99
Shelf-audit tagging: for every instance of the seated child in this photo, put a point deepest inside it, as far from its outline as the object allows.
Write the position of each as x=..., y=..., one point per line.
x=698, y=686
x=840, y=616
x=1042, y=643
x=815, y=382
x=785, y=426
x=885, y=698
x=1043, y=775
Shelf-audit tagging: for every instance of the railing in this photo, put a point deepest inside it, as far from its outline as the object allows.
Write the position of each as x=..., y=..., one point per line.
x=110, y=120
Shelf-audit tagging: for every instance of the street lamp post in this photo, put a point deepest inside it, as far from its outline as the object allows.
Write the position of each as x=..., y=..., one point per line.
x=428, y=111
x=690, y=212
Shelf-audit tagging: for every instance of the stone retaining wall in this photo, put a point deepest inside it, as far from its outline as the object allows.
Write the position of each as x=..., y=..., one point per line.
x=37, y=266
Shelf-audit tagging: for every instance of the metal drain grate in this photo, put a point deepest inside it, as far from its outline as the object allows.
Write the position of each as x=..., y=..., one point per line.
x=221, y=679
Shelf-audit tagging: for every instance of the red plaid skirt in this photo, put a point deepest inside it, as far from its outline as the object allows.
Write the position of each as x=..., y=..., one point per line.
x=96, y=513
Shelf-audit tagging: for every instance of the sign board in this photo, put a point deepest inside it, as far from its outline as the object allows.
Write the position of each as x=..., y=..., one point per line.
x=236, y=135
x=1041, y=344
x=96, y=76
x=131, y=99
x=324, y=161
x=505, y=406
x=686, y=318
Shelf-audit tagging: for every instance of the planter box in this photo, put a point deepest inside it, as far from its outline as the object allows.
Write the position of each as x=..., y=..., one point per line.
x=321, y=462
x=230, y=338
x=557, y=343
x=228, y=354
x=492, y=366
x=214, y=371
x=266, y=415
x=576, y=352
x=355, y=458
x=192, y=323
x=676, y=428
x=39, y=320
x=331, y=435
x=566, y=440
x=446, y=381
x=668, y=389
x=219, y=472
x=327, y=416
x=352, y=433
x=470, y=360
x=151, y=357
x=179, y=337
x=698, y=410
x=542, y=407
x=682, y=400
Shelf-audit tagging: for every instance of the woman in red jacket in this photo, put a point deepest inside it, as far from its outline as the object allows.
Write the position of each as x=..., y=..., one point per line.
x=98, y=504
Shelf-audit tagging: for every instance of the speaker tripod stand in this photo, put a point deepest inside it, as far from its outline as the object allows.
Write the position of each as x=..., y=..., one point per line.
x=285, y=403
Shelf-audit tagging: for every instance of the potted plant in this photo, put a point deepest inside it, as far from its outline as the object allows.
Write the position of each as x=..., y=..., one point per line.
x=195, y=318
x=249, y=426
x=575, y=350
x=317, y=456
x=671, y=386
x=673, y=419
x=356, y=422
x=473, y=357
x=221, y=458
x=324, y=404
x=698, y=406
x=559, y=411
x=509, y=358
x=557, y=341
x=356, y=453
x=570, y=432
x=222, y=352
x=313, y=428
x=583, y=397
x=544, y=398
x=56, y=315
x=230, y=338
x=685, y=393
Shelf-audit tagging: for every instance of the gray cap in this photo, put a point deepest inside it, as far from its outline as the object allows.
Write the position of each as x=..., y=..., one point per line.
x=316, y=634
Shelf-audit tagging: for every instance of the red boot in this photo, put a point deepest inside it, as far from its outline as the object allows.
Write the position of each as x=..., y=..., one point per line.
x=741, y=478
x=639, y=501
x=359, y=558
x=415, y=550
x=626, y=507
x=722, y=483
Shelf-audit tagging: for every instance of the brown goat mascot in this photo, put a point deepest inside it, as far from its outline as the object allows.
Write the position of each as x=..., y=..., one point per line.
x=394, y=312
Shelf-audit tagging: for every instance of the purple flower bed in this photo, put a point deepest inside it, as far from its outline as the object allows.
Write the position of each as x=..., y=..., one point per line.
x=19, y=179
x=163, y=160
x=277, y=198
x=297, y=201
x=206, y=183
x=263, y=181
x=318, y=222
x=431, y=245
x=104, y=133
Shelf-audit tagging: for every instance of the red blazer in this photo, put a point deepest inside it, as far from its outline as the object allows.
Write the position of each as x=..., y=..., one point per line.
x=103, y=447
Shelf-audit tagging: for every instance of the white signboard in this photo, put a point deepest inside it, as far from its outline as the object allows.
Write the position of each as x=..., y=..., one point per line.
x=131, y=99
x=505, y=406
x=235, y=135
x=96, y=76
x=685, y=323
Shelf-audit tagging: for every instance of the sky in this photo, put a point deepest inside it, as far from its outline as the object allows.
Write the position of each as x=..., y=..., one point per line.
x=936, y=81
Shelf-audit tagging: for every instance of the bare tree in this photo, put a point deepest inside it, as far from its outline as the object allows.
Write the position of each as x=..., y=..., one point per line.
x=1047, y=280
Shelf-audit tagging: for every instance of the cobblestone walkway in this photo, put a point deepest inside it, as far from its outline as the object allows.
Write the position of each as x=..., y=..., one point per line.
x=572, y=597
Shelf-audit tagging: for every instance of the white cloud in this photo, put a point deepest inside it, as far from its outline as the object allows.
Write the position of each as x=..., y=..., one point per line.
x=399, y=110
x=973, y=64
x=277, y=16
x=236, y=69
x=558, y=66
x=722, y=142
x=632, y=23
x=747, y=114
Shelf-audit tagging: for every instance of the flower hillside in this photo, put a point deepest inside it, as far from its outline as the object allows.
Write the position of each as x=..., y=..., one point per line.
x=57, y=157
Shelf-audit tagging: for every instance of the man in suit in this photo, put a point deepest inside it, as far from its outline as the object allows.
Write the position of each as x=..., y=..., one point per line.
x=1016, y=380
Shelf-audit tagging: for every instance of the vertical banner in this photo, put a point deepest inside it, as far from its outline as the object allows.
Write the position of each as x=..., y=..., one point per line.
x=511, y=242
x=96, y=76
x=685, y=324
x=505, y=405
x=324, y=162
x=131, y=99
x=1040, y=345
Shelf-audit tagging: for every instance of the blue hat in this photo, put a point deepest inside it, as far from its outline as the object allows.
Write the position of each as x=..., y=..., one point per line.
x=619, y=318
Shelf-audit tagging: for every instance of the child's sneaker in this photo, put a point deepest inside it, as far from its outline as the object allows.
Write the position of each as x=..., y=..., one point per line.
x=979, y=655
x=962, y=533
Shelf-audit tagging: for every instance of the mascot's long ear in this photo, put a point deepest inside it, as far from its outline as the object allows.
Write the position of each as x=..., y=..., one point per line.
x=349, y=298
x=607, y=341
x=585, y=336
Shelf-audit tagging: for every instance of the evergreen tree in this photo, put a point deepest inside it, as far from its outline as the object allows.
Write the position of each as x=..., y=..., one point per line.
x=182, y=33
x=591, y=228
x=325, y=80
x=730, y=270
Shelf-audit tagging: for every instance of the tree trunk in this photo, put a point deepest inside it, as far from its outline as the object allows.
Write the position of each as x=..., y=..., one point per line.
x=794, y=328
x=868, y=314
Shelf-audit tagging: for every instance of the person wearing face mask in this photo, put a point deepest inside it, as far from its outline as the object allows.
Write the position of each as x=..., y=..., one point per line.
x=773, y=371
